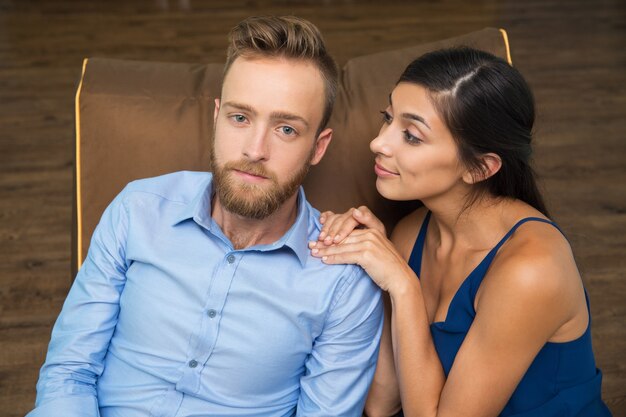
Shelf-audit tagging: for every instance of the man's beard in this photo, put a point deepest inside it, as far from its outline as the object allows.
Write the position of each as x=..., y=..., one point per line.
x=251, y=200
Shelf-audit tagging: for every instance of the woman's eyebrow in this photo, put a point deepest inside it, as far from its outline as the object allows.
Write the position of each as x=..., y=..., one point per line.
x=411, y=116
x=415, y=117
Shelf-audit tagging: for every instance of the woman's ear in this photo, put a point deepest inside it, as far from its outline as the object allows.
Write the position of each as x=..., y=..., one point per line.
x=490, y=163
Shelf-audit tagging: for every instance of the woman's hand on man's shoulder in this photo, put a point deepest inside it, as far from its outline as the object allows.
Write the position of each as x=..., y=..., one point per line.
x=336, y=227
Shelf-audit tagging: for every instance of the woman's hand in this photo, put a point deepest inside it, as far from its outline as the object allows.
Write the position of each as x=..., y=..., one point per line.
x=370, y=249
x=336, y=227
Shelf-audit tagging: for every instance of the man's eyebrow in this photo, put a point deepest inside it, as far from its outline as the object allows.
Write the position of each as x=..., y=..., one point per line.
x=239, y=106
x=289, y=116
x=411, y=116
x=280, y=115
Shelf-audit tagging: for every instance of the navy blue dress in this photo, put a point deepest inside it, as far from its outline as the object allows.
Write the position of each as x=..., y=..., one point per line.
x=562, y=380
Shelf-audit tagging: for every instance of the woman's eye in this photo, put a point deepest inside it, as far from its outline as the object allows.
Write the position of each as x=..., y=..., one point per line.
x=409, y=138
x=386, y=116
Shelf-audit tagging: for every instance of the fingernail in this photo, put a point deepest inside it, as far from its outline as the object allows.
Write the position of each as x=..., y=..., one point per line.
x=315, y=250
x=324, y=258
x=328, y=240
x=312, y=244
x=357, y=212
x=322, y=235
x=337, y=238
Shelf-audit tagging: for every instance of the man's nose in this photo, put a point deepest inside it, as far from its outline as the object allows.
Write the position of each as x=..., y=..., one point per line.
x=256, y=147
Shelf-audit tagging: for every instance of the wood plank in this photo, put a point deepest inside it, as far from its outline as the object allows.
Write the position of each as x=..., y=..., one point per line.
x=572, y=52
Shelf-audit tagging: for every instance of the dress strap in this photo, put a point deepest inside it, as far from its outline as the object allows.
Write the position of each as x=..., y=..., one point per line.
x=415, y=260
x=477, y=275
x=517, y=225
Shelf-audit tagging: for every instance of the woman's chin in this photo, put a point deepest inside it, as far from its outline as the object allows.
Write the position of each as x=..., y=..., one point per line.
x=394, y=192
x=386, y=191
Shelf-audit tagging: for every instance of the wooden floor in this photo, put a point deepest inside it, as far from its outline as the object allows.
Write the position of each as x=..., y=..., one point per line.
x=573, y=52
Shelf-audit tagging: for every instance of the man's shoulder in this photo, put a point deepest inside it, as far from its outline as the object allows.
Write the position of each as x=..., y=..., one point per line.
x=181, y=186
x=315, y=227
x=346, y=272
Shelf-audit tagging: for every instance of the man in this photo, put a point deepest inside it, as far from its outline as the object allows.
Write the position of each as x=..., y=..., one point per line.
x=198, y=296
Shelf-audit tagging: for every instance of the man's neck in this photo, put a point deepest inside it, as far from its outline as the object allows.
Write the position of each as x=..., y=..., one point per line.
x=245, y=232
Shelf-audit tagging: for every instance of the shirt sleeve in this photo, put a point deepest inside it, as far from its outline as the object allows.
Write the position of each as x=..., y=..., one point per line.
x=83, y=330
x=341, y=366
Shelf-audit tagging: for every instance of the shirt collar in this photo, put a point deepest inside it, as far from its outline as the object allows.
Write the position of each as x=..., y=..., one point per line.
x=296, y=238
x=198, y=208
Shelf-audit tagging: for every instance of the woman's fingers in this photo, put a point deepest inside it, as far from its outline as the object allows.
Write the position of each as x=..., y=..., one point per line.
x=337, y=227
x=370, y=249
x=325, y=215
x=365, y=247
x=361, y=240
x=326, y=218
x=345, y=257
x=365, y=217
x=345, y=253
x=344, y=226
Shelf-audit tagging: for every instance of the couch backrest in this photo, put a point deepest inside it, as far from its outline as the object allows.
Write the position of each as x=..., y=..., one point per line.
x=137, y=119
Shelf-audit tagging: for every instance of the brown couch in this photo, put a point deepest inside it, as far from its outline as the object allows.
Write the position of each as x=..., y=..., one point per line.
x=137, y=119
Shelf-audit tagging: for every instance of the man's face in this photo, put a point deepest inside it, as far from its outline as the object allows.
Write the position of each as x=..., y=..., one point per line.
x=265, y=133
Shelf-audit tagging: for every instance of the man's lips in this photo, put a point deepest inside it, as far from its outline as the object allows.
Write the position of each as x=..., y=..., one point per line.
x=249, y=175
x=383, y=172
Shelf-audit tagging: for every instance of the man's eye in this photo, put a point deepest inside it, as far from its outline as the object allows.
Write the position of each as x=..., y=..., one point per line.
x=239, y=118
x=288, y=130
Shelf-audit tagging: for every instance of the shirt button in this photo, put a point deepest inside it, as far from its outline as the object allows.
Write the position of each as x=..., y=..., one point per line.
x=231, y=259
x=212, y=313
x=193, y=363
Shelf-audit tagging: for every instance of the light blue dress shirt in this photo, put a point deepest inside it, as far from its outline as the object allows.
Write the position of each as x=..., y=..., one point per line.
x=165, y=318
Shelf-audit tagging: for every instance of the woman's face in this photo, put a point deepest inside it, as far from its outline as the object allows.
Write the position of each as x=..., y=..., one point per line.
x=416, y=156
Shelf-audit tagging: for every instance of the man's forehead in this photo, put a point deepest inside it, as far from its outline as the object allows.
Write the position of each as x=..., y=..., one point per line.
x=260, y=61
x=246, y=71
x=276, y=85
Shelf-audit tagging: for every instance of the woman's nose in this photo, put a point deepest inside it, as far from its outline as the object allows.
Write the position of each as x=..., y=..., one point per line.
x=381, y=144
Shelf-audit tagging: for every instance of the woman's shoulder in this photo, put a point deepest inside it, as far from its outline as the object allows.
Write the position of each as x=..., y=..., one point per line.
x=536, y=262
x=535, y=241
x=406, y=230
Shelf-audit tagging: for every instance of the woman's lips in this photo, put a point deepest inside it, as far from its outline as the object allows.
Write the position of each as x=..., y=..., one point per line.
x=382, y=172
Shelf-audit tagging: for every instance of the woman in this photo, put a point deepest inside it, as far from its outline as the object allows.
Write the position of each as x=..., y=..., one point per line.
x=488, y=314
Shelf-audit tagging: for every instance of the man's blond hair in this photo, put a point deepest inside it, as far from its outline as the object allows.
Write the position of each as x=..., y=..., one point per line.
x=285, y=37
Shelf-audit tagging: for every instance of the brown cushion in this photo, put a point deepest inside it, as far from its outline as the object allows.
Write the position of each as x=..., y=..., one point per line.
x=137, y=119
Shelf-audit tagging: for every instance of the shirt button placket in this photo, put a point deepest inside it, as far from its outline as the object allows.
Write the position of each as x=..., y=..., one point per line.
x=230, y=259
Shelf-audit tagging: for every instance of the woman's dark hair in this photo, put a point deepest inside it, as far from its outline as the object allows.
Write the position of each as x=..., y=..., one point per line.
x=489, y=108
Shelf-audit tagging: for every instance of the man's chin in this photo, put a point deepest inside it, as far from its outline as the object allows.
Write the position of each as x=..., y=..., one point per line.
x=250, y=209
x=249, y=201
x=250, y=192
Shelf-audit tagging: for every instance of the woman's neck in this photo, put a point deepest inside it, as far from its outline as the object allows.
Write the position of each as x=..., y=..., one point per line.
x=475, y=226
